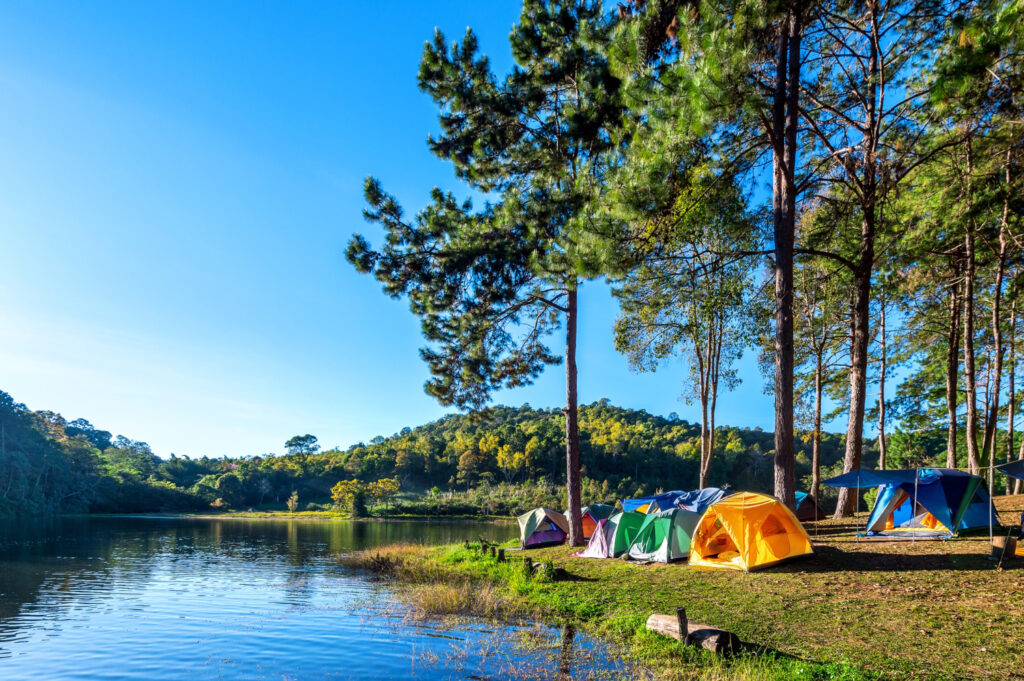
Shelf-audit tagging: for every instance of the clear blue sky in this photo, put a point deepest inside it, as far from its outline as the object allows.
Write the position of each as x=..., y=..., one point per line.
x=177, y=185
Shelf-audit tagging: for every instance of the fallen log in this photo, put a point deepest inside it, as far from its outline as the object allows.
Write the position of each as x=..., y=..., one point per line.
x=716, y=640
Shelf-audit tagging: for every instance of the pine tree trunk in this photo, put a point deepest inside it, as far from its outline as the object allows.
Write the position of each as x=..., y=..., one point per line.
x=952, y=373
x=973, y=459
x=816, y=444
x=784, y=116
x=881, y=392
x=859, y=336
x=860, y=318
x=572, y=436
x=1011, y=393
x=992, y=420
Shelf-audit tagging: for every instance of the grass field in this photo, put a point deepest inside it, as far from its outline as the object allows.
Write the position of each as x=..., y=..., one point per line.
x=859, y=609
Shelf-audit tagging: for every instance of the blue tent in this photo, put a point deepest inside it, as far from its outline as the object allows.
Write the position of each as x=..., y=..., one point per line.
x=927, y=502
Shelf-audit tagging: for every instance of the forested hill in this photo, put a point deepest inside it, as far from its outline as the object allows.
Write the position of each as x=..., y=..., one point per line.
x=50, y=464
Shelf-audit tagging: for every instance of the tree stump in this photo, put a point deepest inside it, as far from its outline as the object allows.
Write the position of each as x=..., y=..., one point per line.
x=716, y=640
x=501, y=555
x=1004, y=548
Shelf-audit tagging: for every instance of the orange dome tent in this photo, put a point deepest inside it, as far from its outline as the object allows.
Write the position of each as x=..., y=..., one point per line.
x=748, y=531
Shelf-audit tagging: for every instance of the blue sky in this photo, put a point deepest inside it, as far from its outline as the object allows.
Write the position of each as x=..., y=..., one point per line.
x=177, y=187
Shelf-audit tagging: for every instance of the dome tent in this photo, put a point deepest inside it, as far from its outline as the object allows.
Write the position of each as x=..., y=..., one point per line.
x=591, y=515
x=613, y=536
x=748, y=531
x=922, y=503
x=542, y=527
x=807, y=508
x=664, y=536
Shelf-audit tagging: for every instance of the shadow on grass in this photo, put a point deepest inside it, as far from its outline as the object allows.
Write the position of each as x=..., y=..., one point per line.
x=831, y=559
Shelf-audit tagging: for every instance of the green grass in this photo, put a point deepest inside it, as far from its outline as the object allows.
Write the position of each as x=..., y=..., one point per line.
x=858, y=610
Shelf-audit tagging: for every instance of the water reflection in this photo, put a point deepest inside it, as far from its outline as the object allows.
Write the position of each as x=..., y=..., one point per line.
x=142, y=598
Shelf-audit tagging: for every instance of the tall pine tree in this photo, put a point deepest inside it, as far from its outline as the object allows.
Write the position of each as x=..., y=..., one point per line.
x=489, y=285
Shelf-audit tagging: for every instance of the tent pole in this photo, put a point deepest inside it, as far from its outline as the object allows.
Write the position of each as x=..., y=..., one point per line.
x=857, y=511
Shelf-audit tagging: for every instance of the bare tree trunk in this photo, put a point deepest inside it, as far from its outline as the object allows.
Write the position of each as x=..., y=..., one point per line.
x=784, y=116
x=952, y=373
x=992, y=420
x=1011, y=392
x=572, y=435
x=881, y=393
x=973, y=459
x=714, y=403
x=816, y=443
x=860, y=324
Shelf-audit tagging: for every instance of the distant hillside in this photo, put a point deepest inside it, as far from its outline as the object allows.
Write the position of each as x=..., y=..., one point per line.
x=49, y=464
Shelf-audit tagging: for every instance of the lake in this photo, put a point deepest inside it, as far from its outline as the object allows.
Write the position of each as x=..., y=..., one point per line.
x=182, y=598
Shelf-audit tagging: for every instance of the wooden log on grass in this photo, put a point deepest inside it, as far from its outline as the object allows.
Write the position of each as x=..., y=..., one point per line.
x=716, y=640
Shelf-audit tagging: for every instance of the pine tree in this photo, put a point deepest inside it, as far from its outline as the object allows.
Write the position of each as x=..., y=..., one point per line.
x=489, y=285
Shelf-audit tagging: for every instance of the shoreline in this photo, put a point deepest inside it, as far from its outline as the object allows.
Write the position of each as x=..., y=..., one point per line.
x=301, y=515
x=813, y=620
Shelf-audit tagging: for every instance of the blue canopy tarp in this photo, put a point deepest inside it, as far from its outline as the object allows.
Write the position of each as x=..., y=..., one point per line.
x=1014, y=469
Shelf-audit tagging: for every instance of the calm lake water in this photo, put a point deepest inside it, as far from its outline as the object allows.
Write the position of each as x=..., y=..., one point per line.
x=152, y=598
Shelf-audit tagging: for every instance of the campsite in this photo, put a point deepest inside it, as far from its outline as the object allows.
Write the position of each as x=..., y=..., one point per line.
x=512, y=340
x=863, y=607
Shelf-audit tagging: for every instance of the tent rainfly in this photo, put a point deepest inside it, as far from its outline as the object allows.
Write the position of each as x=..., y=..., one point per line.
x=542, y=527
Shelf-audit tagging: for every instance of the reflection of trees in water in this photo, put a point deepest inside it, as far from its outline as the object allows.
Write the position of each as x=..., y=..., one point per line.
x=58, y=562
x=565, y=656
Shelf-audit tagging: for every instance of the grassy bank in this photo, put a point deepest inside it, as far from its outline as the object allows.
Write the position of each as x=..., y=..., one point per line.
x=857, y=610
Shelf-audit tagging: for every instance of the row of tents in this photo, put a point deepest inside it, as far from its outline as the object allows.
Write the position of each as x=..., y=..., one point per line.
x=749, y=531
x=710, y=527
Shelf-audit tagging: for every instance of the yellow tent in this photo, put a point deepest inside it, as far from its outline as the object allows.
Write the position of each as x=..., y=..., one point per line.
x=748, y=531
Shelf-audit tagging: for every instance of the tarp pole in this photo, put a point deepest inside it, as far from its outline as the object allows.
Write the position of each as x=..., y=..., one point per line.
x=913, y=507
x=991, y=503
x=856, y=511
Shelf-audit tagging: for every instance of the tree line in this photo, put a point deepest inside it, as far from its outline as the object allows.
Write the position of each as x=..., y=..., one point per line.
x=632, y=144
x=49, y=464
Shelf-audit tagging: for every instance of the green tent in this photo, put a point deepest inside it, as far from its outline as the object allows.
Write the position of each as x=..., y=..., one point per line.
x=542, y=527
x=664, y=536
x=613, y=535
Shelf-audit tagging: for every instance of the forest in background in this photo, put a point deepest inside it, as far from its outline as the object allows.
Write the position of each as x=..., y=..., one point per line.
x=502, y=462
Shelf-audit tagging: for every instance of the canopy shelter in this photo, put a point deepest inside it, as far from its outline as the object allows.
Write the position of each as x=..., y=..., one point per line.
x=807, y=508
x=590, y=515
x=748, y=531
x=542, y=527
x=613, y=536
x=922, y=503
x=1014, y=469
